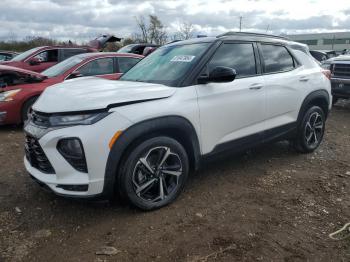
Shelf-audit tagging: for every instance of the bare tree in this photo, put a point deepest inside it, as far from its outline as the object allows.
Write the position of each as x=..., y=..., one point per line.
x=186, y=30
x=143, y=28
x=154, y=32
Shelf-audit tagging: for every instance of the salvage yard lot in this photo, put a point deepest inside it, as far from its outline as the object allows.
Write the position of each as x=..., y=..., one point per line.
x=269, y=204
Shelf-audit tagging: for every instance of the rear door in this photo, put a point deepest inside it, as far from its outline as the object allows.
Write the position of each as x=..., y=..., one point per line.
x=235, y=110
x=285, y=81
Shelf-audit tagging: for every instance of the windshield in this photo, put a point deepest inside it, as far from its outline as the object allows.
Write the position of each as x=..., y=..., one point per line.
x=167, y=65
x=25, y=54
x=62, y=67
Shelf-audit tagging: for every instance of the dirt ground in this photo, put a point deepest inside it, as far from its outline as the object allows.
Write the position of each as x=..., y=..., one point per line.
x=269, y=204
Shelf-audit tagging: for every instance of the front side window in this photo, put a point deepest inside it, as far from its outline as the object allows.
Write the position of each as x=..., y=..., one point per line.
x=167, y=65
x=238, y=56
x=276, y=58
x=102, y=66
x=48, y=56
x=125, y=63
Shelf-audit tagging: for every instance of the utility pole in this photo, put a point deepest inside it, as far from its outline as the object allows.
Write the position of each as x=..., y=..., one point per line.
x=240, y=23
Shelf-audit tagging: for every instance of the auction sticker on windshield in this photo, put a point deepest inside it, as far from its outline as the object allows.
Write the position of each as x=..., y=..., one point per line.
x=183, y=58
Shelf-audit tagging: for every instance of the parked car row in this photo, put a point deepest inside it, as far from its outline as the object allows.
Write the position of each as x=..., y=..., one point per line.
x=7, y=55
x=21, y=88
x=188, y=101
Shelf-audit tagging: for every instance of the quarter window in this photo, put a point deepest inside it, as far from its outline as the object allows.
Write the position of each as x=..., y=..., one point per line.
x=237, y=56
x=102, y=66
x=276, y=58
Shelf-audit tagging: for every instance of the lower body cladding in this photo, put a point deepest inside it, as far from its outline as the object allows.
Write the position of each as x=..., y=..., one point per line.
x=71, y=161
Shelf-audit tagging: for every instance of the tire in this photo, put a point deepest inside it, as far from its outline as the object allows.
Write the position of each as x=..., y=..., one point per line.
x=154, y=173
x=310, y=131
x=27, y=107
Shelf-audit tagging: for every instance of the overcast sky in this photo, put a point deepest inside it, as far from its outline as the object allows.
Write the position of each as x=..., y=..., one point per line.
x=82, y=20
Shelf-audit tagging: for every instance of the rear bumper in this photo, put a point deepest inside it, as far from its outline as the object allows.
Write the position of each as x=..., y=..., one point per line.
x=341, y=87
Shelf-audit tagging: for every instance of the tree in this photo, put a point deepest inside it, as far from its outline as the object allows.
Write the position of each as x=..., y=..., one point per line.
x=186, y=30
x=143, y=28
x=152, y=32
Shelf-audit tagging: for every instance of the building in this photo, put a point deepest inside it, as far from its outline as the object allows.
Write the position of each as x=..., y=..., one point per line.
x=337, y=41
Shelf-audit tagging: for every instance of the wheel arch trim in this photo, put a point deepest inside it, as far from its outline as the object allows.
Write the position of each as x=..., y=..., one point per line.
x=313, y=96
x=148, y=128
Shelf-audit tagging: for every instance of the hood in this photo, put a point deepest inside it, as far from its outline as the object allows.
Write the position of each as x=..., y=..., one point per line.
x=340, y=58
x=91, y=93
x=101, y=41
x=9, y=74
x=5, y=69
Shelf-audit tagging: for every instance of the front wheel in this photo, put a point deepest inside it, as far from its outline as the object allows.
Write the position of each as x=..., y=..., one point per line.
x=154, y=173
x=310, y=130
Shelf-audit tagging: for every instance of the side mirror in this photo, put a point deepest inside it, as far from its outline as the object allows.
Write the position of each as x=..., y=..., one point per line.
x=75, y=74
x=34, y=61
x=220, y=74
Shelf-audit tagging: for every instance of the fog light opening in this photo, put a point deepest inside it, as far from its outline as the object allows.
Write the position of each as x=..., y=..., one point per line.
x=72, y=150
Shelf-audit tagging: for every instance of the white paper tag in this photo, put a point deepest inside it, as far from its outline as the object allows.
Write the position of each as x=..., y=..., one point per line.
x=183, y=58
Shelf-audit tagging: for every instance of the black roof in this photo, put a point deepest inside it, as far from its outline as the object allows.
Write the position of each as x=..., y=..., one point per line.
x=252, y=34
x=245, y=36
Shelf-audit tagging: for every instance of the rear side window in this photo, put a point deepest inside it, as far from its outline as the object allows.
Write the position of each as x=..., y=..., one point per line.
x=66, y=53
x=276, y=58
x=125, y=63
x=239, y=56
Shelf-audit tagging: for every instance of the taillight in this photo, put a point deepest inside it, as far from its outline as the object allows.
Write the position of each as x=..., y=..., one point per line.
x=327, y=73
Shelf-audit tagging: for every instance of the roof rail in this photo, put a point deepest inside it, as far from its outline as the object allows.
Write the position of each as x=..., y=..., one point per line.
x=251, y=34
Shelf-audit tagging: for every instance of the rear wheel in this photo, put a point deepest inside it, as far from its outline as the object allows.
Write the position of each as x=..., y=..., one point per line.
x=310, y=130
x=27, y=108
x=154, y=173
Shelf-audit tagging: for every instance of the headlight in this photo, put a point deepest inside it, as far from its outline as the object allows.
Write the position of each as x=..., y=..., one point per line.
x=81, y=119
x=8, y=95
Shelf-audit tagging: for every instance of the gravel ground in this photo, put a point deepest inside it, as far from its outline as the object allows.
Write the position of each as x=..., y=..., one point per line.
x=269, y=204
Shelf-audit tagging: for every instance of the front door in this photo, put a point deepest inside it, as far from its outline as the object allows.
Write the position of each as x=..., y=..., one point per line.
x=233, y=111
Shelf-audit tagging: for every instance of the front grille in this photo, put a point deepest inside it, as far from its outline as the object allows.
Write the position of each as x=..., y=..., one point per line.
x=36, y=156
x=341, y=70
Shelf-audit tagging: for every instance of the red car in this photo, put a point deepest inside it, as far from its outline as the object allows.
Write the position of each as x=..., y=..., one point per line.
x=19, y=88
x=39, y=59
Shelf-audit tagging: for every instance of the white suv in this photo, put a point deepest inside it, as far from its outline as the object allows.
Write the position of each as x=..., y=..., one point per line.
x=189, y=100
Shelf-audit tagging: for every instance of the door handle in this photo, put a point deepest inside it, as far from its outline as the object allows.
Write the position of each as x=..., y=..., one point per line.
x=303, y=79
x=256, y=86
